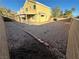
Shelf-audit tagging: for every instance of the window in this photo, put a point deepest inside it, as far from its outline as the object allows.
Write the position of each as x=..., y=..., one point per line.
x=33, y=6
x=26, y=9
x=42, y=15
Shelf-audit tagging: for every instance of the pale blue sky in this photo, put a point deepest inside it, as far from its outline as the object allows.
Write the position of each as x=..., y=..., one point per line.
x=63, y=4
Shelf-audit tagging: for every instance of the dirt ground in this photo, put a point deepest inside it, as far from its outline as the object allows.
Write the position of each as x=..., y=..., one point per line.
x=55, y=34
x=23, y=46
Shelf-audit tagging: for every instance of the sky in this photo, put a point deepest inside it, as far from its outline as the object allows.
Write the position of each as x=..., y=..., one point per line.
x=15, y=5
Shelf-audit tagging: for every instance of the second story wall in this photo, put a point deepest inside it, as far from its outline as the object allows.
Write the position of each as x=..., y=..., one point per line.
x=29, y=8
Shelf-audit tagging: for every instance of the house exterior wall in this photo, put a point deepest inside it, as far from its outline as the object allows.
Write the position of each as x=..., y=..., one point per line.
x=28, y=8
x=41, y=13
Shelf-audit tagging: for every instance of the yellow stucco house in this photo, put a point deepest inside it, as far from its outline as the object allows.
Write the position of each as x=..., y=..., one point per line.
x=34, y=13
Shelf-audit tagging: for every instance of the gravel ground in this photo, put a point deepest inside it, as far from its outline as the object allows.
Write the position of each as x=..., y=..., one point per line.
x=56, y=34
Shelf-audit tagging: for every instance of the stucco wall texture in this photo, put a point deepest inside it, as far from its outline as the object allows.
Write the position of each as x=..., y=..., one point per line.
x=4, y=53
x=73, y=41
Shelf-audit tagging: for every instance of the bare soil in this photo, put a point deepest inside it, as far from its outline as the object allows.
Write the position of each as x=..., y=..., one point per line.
x=22, y=46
